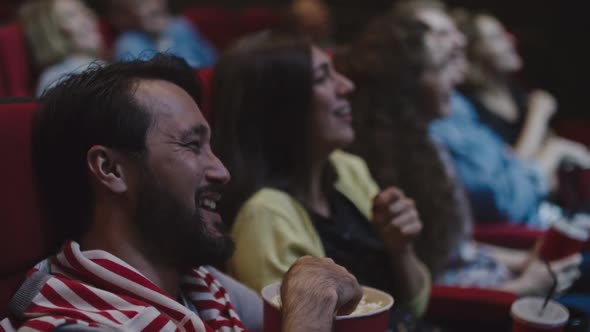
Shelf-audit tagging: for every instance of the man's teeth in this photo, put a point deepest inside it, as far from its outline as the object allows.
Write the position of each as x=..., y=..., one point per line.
x=343, y=111
x=211, y=205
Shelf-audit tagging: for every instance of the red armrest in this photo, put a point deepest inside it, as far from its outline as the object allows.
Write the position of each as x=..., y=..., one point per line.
x=575, y=129
x=470, y=309
x=511, y=236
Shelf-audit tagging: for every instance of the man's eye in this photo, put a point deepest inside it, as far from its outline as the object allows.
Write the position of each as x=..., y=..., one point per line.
x=194, y=145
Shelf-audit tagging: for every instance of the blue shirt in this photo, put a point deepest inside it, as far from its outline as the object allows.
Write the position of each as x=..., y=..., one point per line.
x=501, y=186
x=179, y=38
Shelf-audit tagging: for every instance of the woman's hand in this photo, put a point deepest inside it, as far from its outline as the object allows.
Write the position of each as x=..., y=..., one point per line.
x=537, y=280
x=396, y=219
x=542, y=102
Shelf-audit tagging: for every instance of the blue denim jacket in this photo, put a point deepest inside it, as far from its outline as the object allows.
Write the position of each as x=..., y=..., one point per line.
x=501, y=186
x=179, y=38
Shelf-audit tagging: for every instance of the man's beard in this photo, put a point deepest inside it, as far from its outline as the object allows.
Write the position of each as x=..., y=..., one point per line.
x=172, y=233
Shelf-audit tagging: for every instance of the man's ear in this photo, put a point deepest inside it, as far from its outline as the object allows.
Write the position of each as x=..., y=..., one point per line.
x=106, y=165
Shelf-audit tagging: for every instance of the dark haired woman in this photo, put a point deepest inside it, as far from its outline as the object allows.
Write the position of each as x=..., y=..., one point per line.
x=282, y=115
x=404, y=82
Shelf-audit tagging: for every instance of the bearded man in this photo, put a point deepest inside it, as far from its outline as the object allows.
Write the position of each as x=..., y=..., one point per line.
x=129, y=182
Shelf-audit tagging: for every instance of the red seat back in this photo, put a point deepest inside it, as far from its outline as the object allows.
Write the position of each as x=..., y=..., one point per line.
x=259, y=18
x=216, y=24
x=14, y=61
x=205, y=76
x=107, y=30
x=3, y=87
x=7, y=10
x=24, y=240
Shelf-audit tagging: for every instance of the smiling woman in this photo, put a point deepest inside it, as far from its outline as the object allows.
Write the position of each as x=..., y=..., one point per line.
x=259, y=136
x=283, y=115
x=304, y=115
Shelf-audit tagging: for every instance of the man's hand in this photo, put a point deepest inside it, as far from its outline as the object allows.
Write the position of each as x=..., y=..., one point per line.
x=313, y=290
x=396, y=219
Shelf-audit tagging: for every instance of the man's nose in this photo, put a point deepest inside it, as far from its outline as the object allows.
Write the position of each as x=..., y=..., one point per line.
x=217, y=173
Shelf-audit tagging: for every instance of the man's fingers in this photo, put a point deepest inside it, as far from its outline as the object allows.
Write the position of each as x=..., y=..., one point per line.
x=349, y=293
x=568, y=262
x=351, y=298
x=329, y=260
x=566, y=281
x=566, y=271
x=568, y=276
x=562, y=288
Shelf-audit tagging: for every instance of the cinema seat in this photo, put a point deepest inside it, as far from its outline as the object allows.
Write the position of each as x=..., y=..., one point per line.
x=15, y=62
x=255, y=19
x=216, y=24
x=24, y=239
x=205, y=76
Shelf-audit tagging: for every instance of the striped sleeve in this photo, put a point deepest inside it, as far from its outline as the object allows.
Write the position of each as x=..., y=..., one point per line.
x=50, y=323
x=6, y=325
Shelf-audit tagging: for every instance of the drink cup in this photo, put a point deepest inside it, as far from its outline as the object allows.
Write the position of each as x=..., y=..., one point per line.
x=562, y=239
x=528, y=315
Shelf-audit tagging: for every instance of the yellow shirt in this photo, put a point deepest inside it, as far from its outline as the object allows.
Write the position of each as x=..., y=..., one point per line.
x=272, y=229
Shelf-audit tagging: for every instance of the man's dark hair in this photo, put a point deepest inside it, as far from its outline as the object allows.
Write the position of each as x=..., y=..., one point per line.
x=96, y=107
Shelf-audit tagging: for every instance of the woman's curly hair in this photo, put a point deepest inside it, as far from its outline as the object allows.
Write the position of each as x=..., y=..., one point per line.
x=386, y=64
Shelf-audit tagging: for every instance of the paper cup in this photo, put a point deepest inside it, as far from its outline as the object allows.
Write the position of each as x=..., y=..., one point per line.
x=562, y=239
x=372, y=321
x=527, y=316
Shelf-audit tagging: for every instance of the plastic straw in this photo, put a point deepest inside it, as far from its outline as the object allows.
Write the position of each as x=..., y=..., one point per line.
x=551, y=290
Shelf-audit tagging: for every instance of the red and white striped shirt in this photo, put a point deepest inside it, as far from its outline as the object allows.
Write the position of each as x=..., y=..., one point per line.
x=97, y=289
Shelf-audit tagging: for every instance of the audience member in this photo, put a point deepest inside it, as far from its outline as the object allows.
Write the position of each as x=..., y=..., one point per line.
x=63, y=36
x=126, y=174
x=519, y=117
x=283, y=115
x=403, y=84
x=311, y=18
x=147, y=27
x=501, y=187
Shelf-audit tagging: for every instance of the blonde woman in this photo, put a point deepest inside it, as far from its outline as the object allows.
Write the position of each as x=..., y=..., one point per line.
x=521, y=118
x=63, y=36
